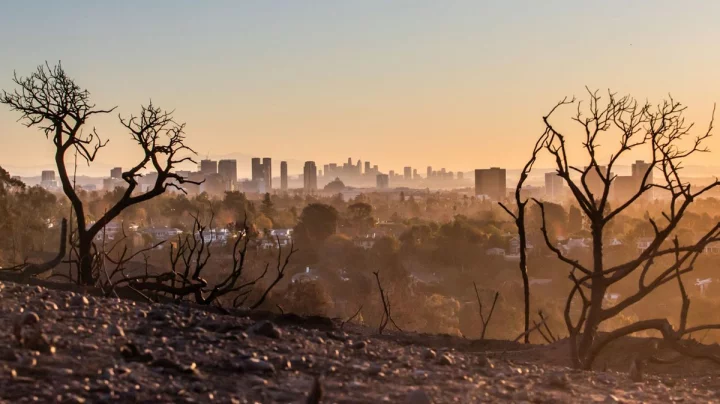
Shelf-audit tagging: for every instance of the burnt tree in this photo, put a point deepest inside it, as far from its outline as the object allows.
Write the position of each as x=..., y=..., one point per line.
x=630, y=127
x=50, y=100
x=519, y=219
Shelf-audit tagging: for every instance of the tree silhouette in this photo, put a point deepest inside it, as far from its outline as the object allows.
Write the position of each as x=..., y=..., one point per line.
x=661, y=131
x=50, y=100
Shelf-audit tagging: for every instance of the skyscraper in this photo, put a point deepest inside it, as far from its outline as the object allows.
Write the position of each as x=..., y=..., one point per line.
x=415, y=174
x=257, y=169
x=429, y=172
x=408, y=173
x=367, y=167
x=48, y=175
x=491, y=183
x=228, y=170
x=283, y=176
x=310, y=176
x=267, y=173
x=382, y=181
x=116, y=173
x=208, y=167
x=554, y=186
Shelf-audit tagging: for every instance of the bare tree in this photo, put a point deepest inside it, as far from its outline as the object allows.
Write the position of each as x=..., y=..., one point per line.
x=519, y=218
x=661, y=131
x=189, y=258
x=51, y=101
x=387, y=308
x=485, y=321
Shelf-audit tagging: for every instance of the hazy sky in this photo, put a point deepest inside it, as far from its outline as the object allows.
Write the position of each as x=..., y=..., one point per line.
x=459, y=84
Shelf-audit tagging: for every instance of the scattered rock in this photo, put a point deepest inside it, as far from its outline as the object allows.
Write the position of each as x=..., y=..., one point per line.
x=79, y=301
x=418, y=397
x=446, y=360
x=267, y=329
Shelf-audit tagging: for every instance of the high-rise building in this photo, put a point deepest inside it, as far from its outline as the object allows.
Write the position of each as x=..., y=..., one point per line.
x=47, y=175
x=491, y=182
x=283, y=176
x=310, y=176
x=639, y=168
x=257, y=169
x=367, y=167
x=415, y=174
x=391, y=173
x=382, y=181
x=554, y=187
x=408, y=173
x=116, y=173
x=208, y=167
x=594, y=182
x=228, y=171
x=48, y=179
x=429, y=172
x=267, y=173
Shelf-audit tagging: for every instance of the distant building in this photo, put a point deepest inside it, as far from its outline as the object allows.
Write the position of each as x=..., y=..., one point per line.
x=554, y=187
x=415, y=174
x=109, y=184
x=594, y=182
x=429, y=172
x=491, y=183
x=48, y=175
x=460, y=175
x=267, y=173
x=383, y=181
x=334, y=186
x=208, y=167
x=116, y=173
x=257, y=169
x=214, y=184
x=48, y=179
x=283, y=176
x=228, y=171
x=310, y=176
x=367, y=168
x=407, y=171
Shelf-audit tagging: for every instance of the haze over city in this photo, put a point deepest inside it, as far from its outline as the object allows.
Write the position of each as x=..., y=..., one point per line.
x=359, y=201
x=447, y=84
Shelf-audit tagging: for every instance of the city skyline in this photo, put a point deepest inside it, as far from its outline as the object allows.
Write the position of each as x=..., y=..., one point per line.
x=313, y=77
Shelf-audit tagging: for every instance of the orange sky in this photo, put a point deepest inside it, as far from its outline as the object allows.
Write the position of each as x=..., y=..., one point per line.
x=460, y=85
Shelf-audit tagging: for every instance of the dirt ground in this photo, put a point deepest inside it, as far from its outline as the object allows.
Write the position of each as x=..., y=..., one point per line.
x=61, y=346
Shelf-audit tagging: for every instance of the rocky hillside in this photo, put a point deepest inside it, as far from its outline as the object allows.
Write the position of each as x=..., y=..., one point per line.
x=68, y=347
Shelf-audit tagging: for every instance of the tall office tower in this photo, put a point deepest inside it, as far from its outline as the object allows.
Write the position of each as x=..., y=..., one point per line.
x=257, y=169
x=391, y=173
x=48, y=176
x=554, y=186
x=358, y=168
x=367, y=167
x=382, y=181
x=429, y=172
x=283, y=176
x=408, y=173
x=375, y=169
x=491, y=182
x=267, y=173
x=415, y=174
x=595, y=182
x=310, y=176
x=116, y=173
x=208, y=167
x=639, y=168
x=228, y=171
x=349, y=161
